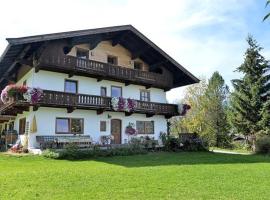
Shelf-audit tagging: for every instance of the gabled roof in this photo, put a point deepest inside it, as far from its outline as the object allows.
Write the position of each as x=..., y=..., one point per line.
x=126, y=35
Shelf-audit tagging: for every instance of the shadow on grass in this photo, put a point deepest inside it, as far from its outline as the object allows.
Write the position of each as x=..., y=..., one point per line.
x=183, y=158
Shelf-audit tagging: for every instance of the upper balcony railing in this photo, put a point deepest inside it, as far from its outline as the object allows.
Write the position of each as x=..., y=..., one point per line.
x=84, y=101
x=104, y=71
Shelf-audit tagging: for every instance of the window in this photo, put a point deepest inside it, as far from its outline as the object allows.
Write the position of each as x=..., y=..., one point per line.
x=116, y=91
x=145, y=95
x=145, y=127
x=103, y=126
x=103, y=91
x=69, y=125
x=82, y=53
x=138, y=65
x=22, y=123
x=112, y=60
x=71, y=86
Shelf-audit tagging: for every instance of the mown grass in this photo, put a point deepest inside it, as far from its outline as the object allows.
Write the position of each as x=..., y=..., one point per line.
x=231, y=150
x=152, y=176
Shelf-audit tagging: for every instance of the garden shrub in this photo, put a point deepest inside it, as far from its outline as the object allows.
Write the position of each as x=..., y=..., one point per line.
x=263, y=145
x=72, y=152
x=174, y=143
x=48, y=153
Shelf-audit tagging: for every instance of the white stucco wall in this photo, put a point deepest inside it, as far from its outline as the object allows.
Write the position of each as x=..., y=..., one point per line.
x=46, y=117
x=28, y=77
x=56, y=81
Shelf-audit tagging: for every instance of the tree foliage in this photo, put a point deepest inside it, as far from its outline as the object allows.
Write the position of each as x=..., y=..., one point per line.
x=216, y=103
x=207, y=116
x=267, y=15
x=247, y=104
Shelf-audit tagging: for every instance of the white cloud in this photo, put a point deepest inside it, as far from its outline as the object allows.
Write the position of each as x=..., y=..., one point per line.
x=202, y=35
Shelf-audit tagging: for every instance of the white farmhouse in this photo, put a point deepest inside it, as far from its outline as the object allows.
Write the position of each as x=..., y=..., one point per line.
x=91, y=83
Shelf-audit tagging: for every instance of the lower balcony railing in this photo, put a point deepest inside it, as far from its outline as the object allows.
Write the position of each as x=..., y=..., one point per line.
x=83, y=101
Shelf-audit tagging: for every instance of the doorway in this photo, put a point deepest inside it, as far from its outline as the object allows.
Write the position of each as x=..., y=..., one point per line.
x=116, y=130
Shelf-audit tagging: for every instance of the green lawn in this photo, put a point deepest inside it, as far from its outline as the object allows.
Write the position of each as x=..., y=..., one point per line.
x=152, y=176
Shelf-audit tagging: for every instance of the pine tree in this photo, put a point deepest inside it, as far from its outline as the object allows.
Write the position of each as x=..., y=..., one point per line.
x=265, y=120
x=216, y=95
x=246, y=100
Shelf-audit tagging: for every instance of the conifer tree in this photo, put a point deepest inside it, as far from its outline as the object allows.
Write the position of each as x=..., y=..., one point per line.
x=216, y=102
x=247, y=102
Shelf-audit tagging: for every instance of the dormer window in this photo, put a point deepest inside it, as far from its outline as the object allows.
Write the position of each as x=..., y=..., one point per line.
x=138, y=65
x=82, y=53
x=112, y=60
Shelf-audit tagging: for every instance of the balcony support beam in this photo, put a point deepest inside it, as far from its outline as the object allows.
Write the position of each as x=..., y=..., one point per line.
x=70, y=74
x=148, y=86
x=100, y=111
x=70, y=109
x=35, y=107
x=148, y=115
x=37, y=69
x=168, y=116
x=127, y=83
x=99, y=79
x=128, y=114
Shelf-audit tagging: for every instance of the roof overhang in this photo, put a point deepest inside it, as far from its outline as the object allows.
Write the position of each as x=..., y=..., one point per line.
x=126, y=35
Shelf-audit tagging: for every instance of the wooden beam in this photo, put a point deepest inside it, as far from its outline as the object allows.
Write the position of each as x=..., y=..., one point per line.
x=20, y=56
x=70, y=109
x=37, y=69
x=100, y=111
x=148, y=86
x=150, y=115
x=127, y=83
x=168, y=116
x=158, y=64
x=10, y=78
x=117, y=39
x=67, y=49
x=25, y=62
x=99, y=79
x=70, y=74
x=35, y=107
x=40, y=50
x=139, y=52
x=128, y=113
x=94, y=42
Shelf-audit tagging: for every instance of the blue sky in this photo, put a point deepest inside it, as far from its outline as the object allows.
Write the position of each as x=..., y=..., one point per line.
x=202, y=35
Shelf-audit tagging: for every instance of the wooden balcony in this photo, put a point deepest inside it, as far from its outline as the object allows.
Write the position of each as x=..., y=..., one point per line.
x=100, y=70
x=89, y=102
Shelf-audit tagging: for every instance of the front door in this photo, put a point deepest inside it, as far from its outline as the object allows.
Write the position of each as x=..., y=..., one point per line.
x=22, y=124
x=116, y=130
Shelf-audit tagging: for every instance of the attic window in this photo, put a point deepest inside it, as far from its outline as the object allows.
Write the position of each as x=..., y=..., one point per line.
x=138, y=65
x=82, y=53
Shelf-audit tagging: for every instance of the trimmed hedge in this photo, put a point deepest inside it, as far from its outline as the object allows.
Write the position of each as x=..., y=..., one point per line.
x=72, y=152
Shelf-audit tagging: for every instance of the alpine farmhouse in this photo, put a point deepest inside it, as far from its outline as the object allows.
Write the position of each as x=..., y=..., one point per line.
x=87, y=84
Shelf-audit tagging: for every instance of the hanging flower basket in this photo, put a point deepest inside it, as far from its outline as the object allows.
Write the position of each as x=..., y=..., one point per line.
x=121, y=104
x=23, y=93
x=130, y=130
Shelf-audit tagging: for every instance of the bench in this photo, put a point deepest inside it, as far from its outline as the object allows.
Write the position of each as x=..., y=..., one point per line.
x=59, y=142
